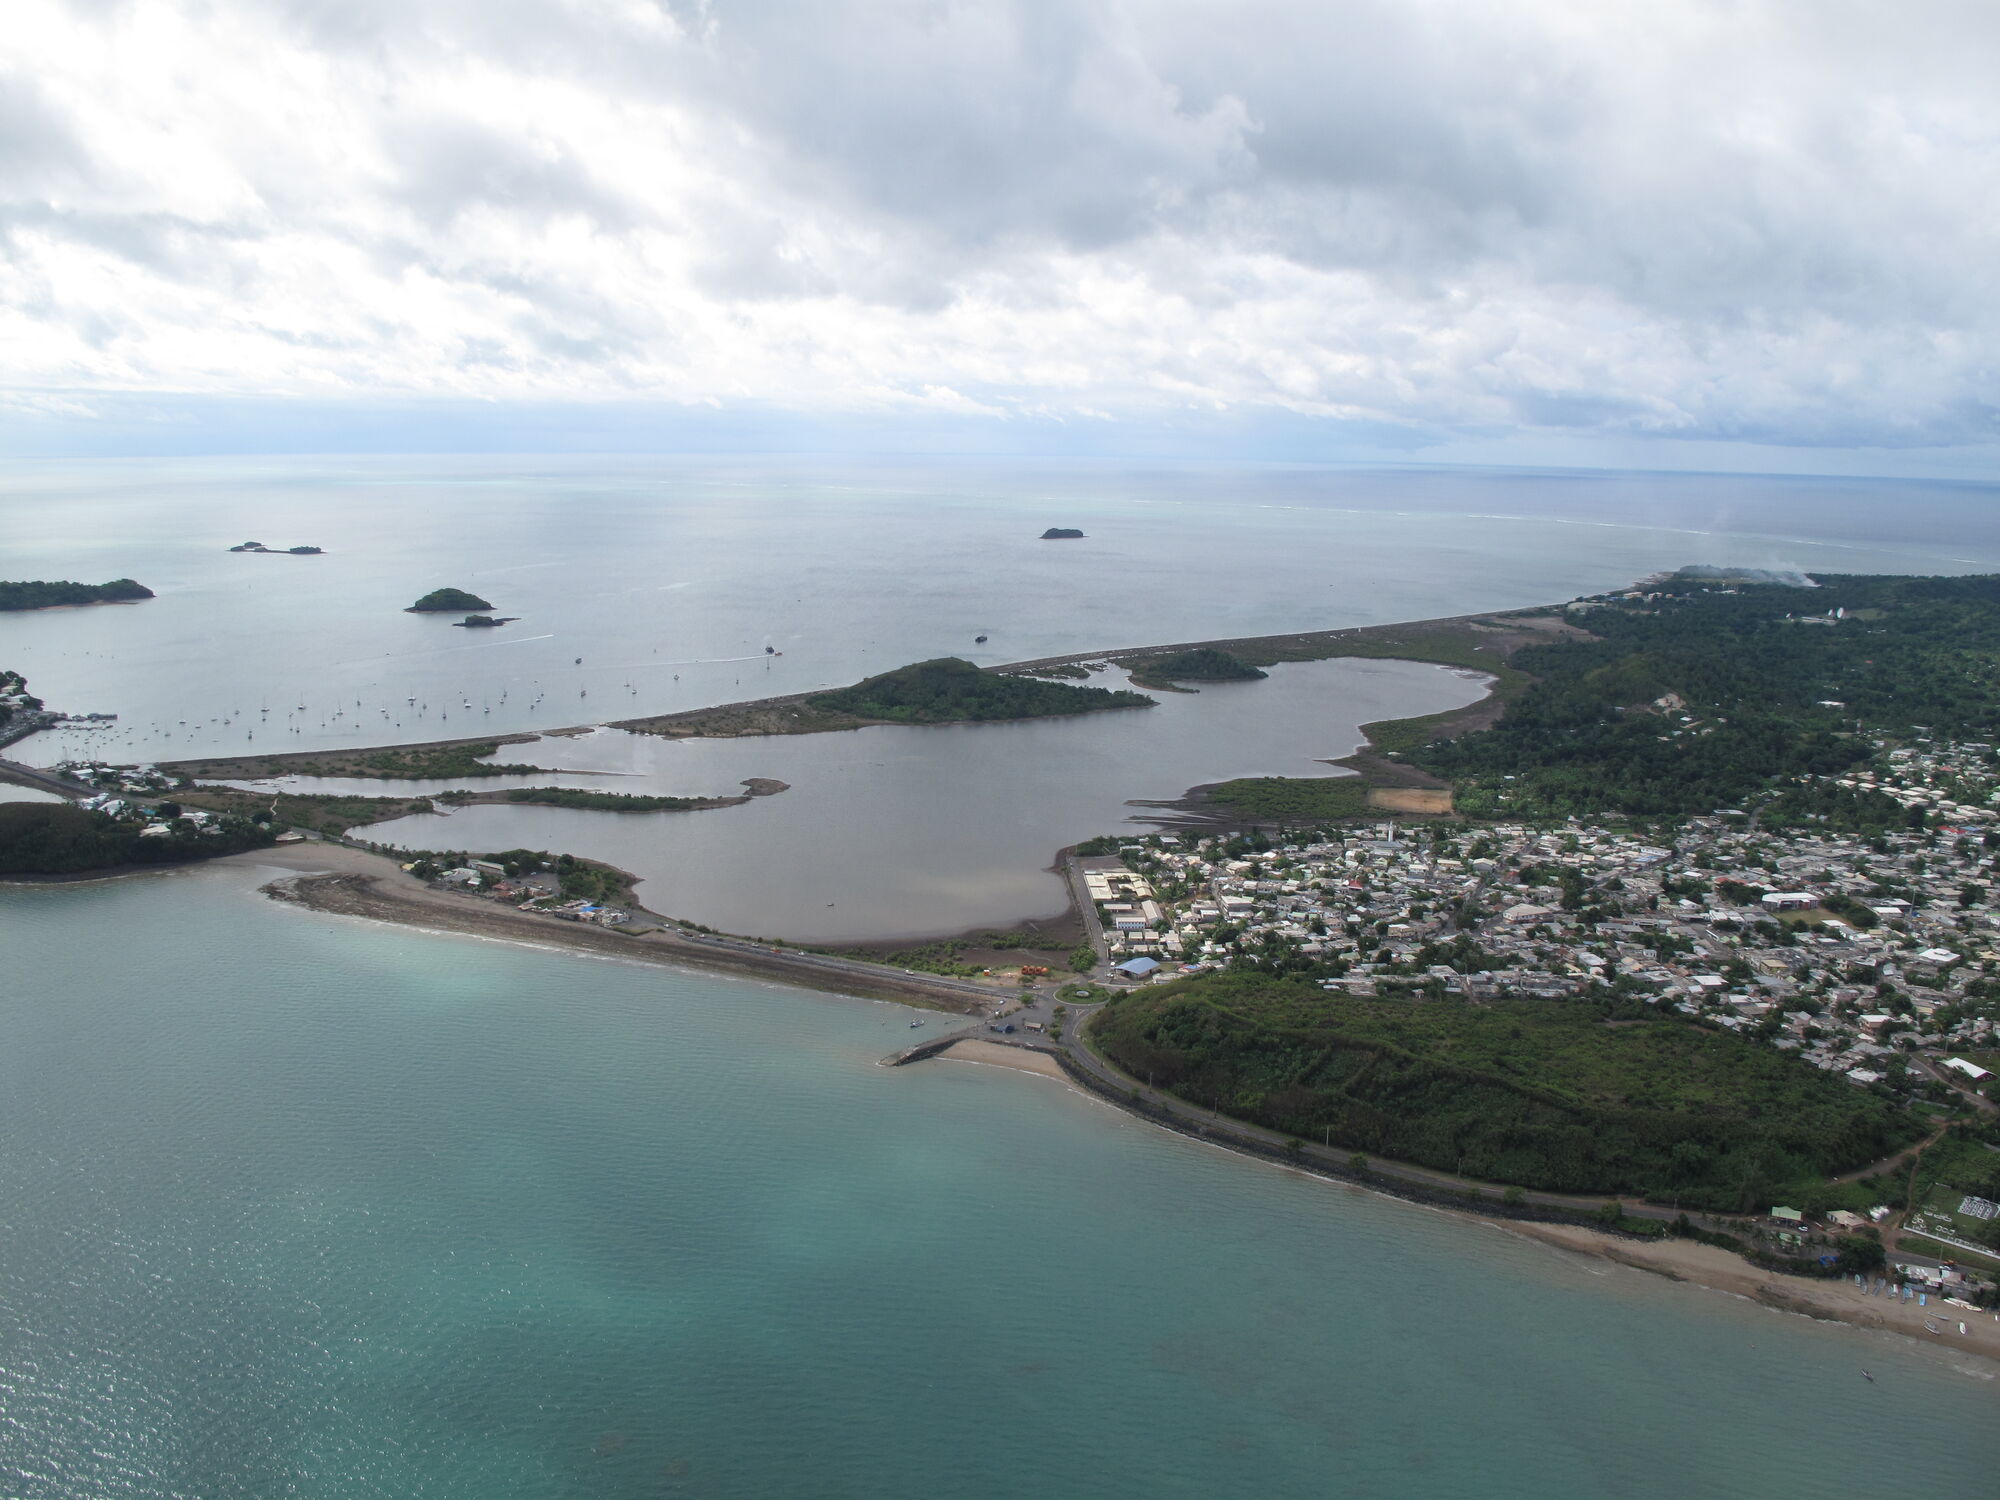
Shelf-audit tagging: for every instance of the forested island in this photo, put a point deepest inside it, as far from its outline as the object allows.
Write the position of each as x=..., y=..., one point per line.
x=278, y=551
x=951, y=690
x=447, y=601
x=1061, y=534
x=46, y=595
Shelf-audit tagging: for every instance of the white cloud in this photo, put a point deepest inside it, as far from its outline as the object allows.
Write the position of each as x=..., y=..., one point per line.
x=1760, y=221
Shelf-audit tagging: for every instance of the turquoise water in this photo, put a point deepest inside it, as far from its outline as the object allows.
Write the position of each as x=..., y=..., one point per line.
x=295, y=1206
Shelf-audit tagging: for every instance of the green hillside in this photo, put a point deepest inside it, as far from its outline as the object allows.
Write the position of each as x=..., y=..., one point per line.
x=1543, y=1094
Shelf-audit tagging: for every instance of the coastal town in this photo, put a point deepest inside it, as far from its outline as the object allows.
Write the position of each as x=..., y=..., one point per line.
x=1871, y=956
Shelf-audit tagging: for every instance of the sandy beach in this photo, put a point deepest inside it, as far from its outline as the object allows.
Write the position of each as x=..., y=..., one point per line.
x=1000, y=1055
x=1958, y=1329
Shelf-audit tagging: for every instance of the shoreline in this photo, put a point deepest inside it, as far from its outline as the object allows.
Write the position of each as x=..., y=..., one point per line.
x=1828, y=1301
x=336, y=880
x=1952, y=1330
x=1710, y=1267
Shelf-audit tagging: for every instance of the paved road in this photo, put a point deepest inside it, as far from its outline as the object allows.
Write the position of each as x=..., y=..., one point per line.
x=46, y=781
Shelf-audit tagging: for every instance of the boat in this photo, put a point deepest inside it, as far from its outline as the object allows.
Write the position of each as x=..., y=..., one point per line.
x=979, y=640
x=915, y=1024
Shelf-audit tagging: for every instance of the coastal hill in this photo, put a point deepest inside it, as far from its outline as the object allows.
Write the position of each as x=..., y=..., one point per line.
x=1542, y=1093
x=43, y=595
x=951, y=690
x=447, y=601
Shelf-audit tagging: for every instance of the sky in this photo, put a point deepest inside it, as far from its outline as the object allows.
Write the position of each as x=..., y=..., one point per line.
x=1712, y=233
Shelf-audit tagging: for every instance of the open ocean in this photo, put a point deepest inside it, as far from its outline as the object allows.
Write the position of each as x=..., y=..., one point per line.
x=299, y=1206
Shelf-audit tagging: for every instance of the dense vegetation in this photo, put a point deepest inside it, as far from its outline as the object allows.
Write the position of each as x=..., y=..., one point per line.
x=1203, y=664
x=424, y=764
x=1543, y=1094
x=950, y=690
x=452, y=601
x=43, y=595
x=562, y=796
x=54, y=838
x=1293, y=798
x=318, y=811
x=1699, y=695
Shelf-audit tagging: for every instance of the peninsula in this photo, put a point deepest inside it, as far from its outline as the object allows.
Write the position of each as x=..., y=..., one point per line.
x=60, y=595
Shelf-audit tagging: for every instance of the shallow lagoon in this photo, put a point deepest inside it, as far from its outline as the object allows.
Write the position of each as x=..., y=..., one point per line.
x=902, y=832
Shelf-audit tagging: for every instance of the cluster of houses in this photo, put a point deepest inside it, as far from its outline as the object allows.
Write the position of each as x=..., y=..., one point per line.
x=531, y=891
x=1873, y=958
x=126, y=794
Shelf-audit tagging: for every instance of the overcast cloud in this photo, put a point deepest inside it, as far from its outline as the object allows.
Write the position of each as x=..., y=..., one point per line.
x=1752, y=221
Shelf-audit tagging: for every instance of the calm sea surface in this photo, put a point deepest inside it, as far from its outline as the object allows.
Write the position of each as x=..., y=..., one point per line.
x=292, y=1206
x=668, y=579
x=295, y=1206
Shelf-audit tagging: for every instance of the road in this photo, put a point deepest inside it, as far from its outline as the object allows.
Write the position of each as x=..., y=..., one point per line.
x=44, y=781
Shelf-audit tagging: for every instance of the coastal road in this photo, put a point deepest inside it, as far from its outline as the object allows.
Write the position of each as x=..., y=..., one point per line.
x=44, y=781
